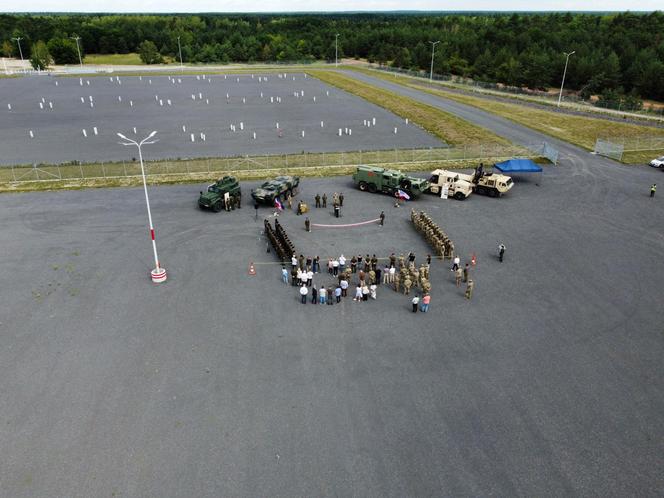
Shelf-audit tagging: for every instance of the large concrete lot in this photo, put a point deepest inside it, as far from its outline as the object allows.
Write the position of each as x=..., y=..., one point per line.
x=58, y=135
x=548, y=383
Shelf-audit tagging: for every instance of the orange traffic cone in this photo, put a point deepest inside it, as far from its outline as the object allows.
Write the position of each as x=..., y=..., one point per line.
x=473, y=260
x=252, y=270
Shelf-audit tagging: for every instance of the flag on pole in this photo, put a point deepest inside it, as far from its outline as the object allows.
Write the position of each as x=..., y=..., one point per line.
x=403, y=195
x=278, y=205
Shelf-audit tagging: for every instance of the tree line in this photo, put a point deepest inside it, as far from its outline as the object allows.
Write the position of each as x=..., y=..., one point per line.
x=615, y=54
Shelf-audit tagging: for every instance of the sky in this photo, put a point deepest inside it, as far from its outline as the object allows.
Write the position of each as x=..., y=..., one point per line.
x=166, y=6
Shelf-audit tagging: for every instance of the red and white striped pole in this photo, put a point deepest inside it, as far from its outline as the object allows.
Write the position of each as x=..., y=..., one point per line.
x=158, y=274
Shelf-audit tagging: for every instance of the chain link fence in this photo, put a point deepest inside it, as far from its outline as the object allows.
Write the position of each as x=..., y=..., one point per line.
x=313, y=163
x=615, y=147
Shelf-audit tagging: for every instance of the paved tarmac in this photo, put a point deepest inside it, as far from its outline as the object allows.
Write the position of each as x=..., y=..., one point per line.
x=142, y=102
x=217, y=383
x=547, y=383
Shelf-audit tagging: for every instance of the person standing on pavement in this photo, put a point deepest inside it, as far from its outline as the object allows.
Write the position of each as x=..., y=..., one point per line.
x=317, y=199
x=466, y=271
x=316, y=264
x=457, y=261
x=307, y=225
x=342, y=263
x=341, y=199
x=324, y=200
x=330, y=296
x=335, y=267
x=469, y=289
x=344, y=287
x=314, y=295
x=365, y=293
x=310, y=278
x=501, y=252
x=426, y=299
x=382, y=218
x=458, y=275
x=303, y=292
x=284, y=274
x=358, y=293
x=322, y=294
x=337, y=293
x=653, y=189
x=415, y=302
x=372, y=291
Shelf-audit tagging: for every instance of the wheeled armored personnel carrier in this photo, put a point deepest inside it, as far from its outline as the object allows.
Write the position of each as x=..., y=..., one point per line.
x=280, y=187
x=224, y=190
x=388, y=181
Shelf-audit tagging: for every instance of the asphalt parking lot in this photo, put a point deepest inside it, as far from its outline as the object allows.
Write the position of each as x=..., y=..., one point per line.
x=129, y=102
x=216, y=383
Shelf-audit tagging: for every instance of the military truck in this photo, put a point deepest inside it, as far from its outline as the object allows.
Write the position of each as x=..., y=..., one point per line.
x=491, y=184
x=388, y=181
x=280, y=187
x=457, y=187
x=216, y=193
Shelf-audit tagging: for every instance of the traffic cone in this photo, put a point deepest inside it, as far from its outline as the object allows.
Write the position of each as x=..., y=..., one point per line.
x=252, y=270
x=473, y=260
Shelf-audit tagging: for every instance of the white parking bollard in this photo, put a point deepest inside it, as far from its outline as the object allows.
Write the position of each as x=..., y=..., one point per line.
x=156, y=98
x=134, y=130
x=168, y=101
x=241, y=125
x=88, y=82
x=271, y=100
x=80, y=81
x=131, y=103
x=184, y=128
x=9, y=106
x=395, y=130
x=82, y=100
x=207, y=101
x=350, y=131
x=406, y=120
x=322, y=124
x=327, y=92
x=56, y=83
x=119, y=98
x=373, y=121
x=261, y=94
x=50, y=105
x=94, y=129
x=339, y=131
x=41, y=106
x=244, y=101
x=314, y=99
x=277, y=124
x=203, y=136
x=149, y=82
x=92, y=104
x=32, y=135
x=193, y=138
x=85, y=133
x=254, y=135
x=302, y=133
x=161, y=102
x=90, y=97
x=193, y=97
x=200, y=95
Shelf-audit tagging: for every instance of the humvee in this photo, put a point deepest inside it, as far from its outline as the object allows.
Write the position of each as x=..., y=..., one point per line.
x=214, y=197
x=388, y=181
x=273, y=189
x=458, y=187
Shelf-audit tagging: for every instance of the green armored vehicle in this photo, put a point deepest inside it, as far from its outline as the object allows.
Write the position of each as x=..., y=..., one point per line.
x=389, y=181
x=280, y=187
x=215, y=196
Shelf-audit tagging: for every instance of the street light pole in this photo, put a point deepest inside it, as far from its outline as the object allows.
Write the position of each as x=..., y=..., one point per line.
x=433, y=51
x=180, y=51
x=18, y=42
x=158, y=274
x=80, y=61
x=560, y=95
x=336, y=50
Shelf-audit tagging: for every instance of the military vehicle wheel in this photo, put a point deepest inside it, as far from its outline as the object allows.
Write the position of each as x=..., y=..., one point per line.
x=372, y=188
x=459, y=196
x=218, y=206
x=481, y=190
x=363, y=186
x=492, y=193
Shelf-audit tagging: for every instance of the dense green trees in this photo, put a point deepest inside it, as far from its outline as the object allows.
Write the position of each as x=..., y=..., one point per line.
x=40, y=58
x=621, y=53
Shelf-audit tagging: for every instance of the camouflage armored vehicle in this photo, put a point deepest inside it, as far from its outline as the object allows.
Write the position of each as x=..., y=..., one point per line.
x=215, y=195
x=277, y=188
x=388, y=181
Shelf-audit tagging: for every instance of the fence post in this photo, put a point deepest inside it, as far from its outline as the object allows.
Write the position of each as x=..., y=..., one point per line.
x=124, y=168
x=208, y=165
x=187, y=163
x=14, y=173
x=103, y=171
x=305, y=159
x=80, y=165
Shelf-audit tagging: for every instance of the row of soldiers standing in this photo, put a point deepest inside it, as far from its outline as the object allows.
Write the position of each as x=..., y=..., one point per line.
x=434, y=235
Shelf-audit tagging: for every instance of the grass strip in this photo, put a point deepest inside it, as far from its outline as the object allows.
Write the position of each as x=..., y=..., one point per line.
x=446, y=126
x=578, y=130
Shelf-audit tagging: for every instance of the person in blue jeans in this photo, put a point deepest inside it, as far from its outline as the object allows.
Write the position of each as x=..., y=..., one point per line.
x=284, y=275
x=322, y=293
x=303, y=292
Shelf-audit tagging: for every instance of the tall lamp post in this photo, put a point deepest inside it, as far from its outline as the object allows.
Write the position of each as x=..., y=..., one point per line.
x=433, y=51
x=158, y=274
x=336, y=50
x=180, y=51
x=80, y=60
x=560, y=95
x=18, y=42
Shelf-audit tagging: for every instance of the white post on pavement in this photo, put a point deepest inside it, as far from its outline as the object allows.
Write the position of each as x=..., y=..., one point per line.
x=159, y=273
x=560, y=95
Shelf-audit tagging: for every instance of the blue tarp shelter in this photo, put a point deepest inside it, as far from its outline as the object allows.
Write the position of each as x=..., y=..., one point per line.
x=518, y=166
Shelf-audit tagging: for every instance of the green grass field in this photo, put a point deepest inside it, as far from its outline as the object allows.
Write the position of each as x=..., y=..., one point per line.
x=114, y=59
x=578, y=130
x=447, y=127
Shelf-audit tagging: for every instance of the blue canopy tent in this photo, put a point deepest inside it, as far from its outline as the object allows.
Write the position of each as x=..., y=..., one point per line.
x=516, y=166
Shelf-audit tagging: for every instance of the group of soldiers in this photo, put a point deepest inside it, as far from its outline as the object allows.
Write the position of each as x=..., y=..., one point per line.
x=279, y=240
x=321, y=202
x=435, y=236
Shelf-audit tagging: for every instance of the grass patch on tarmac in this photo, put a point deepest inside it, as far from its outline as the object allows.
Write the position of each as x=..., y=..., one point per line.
x=578, y=130
x=447, y=127
x=113, y=59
